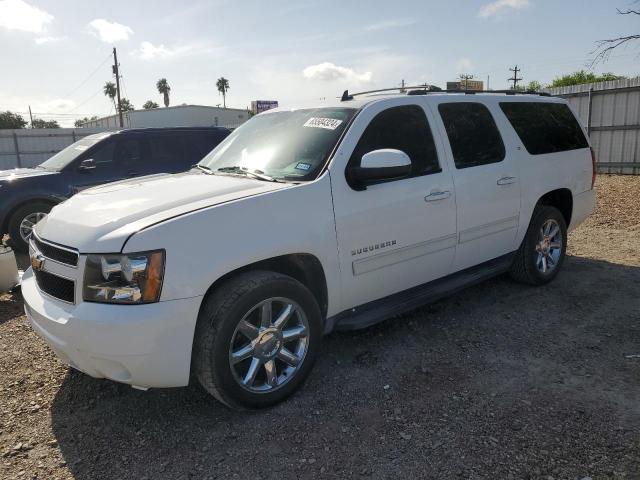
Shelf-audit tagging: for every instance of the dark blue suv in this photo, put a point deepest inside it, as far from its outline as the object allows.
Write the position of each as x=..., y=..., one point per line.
x=28, y=194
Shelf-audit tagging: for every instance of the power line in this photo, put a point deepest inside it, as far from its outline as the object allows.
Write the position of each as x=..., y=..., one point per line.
x=87, y=79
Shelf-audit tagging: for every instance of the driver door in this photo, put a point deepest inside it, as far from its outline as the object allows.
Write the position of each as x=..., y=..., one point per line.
x=114, y=160
x=397, y=234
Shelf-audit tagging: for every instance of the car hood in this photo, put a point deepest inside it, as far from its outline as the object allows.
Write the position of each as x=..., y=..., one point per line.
x=100, y=219
x=16, y=173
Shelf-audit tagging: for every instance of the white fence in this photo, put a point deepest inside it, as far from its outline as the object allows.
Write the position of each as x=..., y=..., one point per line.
x=31, y=147
x=611, y=113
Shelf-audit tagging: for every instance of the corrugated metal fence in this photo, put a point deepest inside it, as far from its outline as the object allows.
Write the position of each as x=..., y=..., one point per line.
x=611, y=113
x=31, y=147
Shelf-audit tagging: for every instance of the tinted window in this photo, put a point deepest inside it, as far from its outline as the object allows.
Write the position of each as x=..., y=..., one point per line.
x=200, y=144
x=166, y=149
x=128, y=152
x=473, y=135
x=545, y=127
x=103, y=154
x=402, y=128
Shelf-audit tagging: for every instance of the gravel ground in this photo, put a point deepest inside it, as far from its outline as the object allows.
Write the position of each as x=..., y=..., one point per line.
x=499, y=381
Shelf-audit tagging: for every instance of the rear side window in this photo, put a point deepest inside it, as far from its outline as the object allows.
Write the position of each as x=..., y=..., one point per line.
x=473, y=135
x=545, y=127
x=166, y=150
x=402, y=128
x=200, y=144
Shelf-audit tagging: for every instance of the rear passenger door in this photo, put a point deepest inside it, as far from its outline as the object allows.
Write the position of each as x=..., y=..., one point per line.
x=487, y=184
x=167, y=154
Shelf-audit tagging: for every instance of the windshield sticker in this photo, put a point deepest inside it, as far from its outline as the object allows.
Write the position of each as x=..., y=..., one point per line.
x=328, y=123
x=303, y=166
x=82, y=148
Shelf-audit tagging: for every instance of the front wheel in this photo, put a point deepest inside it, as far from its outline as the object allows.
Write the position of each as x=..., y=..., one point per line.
x=257, y=339
x=23, y=220
x=543, y=249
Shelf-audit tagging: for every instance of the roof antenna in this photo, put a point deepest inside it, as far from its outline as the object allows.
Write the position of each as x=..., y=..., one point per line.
x=346, y=96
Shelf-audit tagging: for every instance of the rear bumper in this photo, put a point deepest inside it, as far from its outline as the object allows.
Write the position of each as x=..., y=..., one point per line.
x=142, y=345
x=583, y=206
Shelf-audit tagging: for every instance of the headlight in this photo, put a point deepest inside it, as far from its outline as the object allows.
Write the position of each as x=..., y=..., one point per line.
x=128, y=278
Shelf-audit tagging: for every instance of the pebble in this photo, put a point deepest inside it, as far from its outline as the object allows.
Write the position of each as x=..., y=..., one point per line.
x=405, y=436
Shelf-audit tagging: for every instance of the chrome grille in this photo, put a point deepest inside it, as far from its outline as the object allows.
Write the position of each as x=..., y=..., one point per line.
x=60, y=254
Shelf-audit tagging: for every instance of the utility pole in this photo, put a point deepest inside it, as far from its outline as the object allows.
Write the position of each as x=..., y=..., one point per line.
x=117, y=74
x=30, y=116
x=515, y=78
x=402, y=90
x=488, y=82
x=464, y=78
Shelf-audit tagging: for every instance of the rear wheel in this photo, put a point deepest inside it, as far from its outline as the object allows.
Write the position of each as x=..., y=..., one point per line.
x=257, y=339
x=23, y=220
x=543, y=249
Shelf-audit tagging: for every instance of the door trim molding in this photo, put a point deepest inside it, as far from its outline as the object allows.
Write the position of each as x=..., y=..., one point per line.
x=403, y=254
x=487, y=229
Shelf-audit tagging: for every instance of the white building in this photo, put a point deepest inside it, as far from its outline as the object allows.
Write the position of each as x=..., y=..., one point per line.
x=178, y=116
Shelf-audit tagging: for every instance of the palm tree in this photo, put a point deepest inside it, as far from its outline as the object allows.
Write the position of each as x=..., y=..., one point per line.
x=111, y=92
x=126, y=106
x=149, y=104
x=223, y=86
x=164, y=88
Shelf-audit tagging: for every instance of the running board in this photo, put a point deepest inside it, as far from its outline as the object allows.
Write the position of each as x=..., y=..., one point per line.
x=376, y=311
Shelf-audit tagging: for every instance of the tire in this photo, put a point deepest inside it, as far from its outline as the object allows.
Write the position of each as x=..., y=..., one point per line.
x=222, y=333
x=528, y=266
x=32, y=210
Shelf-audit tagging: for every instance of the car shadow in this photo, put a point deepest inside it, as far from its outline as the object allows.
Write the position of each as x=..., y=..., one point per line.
x=111, y=431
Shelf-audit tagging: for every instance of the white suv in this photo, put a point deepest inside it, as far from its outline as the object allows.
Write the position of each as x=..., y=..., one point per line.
x=300, y=222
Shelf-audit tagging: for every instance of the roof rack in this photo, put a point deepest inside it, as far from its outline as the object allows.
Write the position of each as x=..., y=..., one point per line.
x=427, y=89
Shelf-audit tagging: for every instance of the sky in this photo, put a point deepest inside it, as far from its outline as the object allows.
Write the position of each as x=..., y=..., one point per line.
x=56, y=55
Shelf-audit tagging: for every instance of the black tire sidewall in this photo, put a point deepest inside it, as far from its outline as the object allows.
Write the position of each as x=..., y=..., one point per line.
x=16, y=219
x=281, y=286
x=541, y=215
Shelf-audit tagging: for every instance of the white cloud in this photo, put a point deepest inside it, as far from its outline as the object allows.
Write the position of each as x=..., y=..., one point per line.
x=109, y=32
x=329, y=72
x=464, y=65
x=149, y=51
x=498, y=6
x=43, y=40
x=389, y=24
x=19, y=15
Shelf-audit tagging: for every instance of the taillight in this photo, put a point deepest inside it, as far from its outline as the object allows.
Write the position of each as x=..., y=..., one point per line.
x=593, y=167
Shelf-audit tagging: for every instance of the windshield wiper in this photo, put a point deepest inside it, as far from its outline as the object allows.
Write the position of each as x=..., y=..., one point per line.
x=243, y=171
x=204, y=168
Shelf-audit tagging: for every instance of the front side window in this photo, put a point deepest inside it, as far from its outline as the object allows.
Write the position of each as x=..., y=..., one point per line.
x=73, y=151
x=473, y=134
x=290, y=145
x=545, y=127
x=403, y=128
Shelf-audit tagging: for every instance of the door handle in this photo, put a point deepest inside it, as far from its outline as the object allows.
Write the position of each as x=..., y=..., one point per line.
x=506, y=180
x=437, y=195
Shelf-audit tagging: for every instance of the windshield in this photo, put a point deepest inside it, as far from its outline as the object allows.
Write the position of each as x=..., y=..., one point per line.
x=290, y=145
x=69, y=154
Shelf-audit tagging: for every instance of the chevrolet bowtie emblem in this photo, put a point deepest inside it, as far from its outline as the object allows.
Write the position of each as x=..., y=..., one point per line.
x=37, y=261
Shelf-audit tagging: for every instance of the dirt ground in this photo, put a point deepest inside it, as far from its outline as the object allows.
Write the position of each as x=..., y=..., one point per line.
x=499, y=381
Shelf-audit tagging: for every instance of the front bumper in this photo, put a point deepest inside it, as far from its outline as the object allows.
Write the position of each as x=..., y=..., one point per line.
x=143, y=345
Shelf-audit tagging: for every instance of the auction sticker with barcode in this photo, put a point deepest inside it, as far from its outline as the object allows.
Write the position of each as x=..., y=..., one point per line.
x=328, y=123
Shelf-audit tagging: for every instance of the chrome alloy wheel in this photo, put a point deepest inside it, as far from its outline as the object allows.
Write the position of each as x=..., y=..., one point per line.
x=269, y=345
x=548, y=246
x=27, y=224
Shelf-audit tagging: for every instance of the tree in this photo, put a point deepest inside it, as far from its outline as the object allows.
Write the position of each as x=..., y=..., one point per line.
x=577, y=78
x=163, y=88
x=223, y=85
x=111, y=92
x=149, y=104
x=604, y=48
x=126, y=106
x=39, y=123
x=11, y=120
x=532, y=86
x=81, y=121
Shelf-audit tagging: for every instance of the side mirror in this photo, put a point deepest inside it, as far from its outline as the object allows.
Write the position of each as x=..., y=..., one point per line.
x=378, y=165
x=88, y=164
